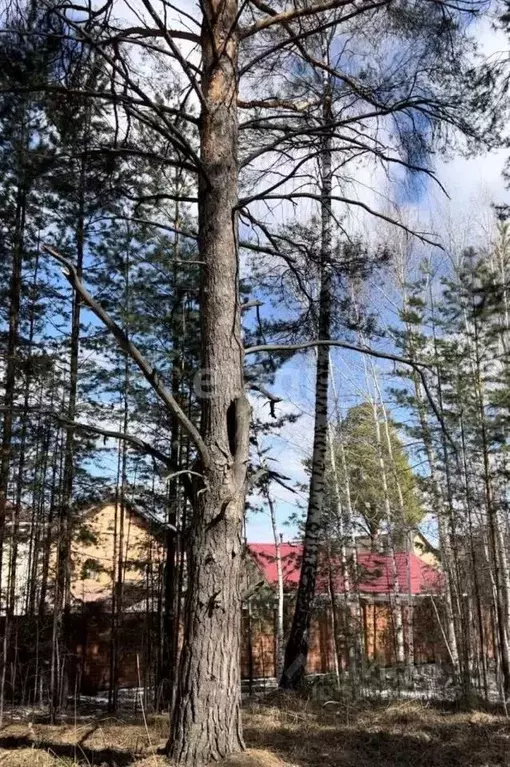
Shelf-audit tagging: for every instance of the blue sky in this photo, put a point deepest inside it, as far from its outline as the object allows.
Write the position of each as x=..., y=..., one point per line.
x=473, y=185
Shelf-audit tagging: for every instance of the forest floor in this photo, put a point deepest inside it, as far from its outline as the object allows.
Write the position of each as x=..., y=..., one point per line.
x=283, y=730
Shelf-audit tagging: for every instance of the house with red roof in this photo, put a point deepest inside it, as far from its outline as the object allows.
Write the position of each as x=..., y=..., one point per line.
x=375, y=582
x=376, y=571
x=355, y=595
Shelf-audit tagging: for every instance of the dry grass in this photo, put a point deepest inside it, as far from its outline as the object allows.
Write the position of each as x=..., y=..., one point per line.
x=285, y=731
x=403, y=734
x=254, y=757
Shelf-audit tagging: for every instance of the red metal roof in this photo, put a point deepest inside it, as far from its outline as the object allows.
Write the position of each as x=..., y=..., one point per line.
x=375, y=570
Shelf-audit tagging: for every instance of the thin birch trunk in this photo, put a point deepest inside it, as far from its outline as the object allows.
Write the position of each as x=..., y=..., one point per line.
x=168, y=671
x=355, y=608
x=443, y=506
x=112, y=695
x=337, y=659
x=280, y=594
x=296, y=651
x=409, y=612
x=443, y=532
x=280, y=646
x=476, y=565
x=344, y=566
x=396, y=602
x=448, y=531
x=502, y=597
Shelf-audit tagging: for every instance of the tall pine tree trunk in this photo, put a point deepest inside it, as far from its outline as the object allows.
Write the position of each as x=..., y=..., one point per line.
x=61, y=606
x=206, y=723
x=8, y=404
x=167, y=672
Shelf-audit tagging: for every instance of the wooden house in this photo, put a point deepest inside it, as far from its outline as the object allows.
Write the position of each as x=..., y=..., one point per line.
x=108, y=536
x=419, y=580
x=411, y=579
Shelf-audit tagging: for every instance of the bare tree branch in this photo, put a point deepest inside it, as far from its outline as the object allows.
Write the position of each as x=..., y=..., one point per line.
x=135, y=442
x=309, y=195
x=251, y=305
x=312, y=9
x=417, y=366
x=273, y=399
x=185, y=65
x=94, y=43
x=120, y=98
x=125, y=151
x=142, y=32
x=194, y=236
x=294, y=38
x=148, y=371
x=148, y=222
x=276, y=103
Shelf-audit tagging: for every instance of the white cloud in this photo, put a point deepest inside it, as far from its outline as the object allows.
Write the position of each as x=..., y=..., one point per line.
x=473, y=185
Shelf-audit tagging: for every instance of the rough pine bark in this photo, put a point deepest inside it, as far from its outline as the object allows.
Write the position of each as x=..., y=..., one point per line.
x=206, y=722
